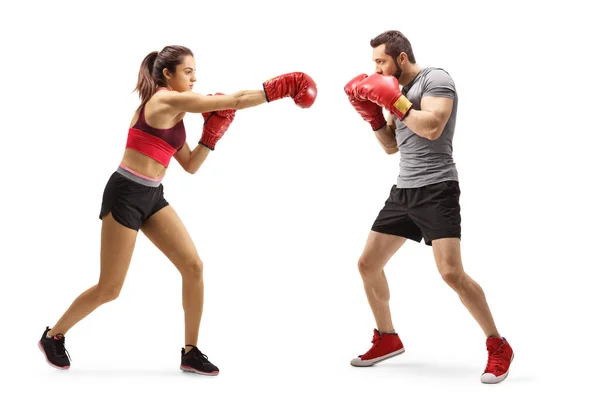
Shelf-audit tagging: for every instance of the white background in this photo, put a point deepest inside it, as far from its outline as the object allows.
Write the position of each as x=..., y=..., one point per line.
x=281, y=210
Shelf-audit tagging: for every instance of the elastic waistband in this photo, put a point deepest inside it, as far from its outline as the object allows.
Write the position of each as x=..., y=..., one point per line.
x=137, y=177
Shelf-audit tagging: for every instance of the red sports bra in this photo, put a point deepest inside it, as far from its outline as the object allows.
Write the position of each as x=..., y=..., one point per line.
x=158, y=144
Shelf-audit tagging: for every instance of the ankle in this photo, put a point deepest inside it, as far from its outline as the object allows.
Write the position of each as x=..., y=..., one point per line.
x=188, y=348
x=52, y=333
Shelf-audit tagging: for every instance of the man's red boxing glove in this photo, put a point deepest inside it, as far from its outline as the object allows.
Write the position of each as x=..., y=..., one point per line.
x=369, y=111
x=215, y=126
x=297, y=85
x=385, y=91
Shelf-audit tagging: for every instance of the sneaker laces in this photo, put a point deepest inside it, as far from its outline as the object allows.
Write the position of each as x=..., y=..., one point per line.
x=495, y=359
x=59, y=349
x=376, y=342
x=197, y=354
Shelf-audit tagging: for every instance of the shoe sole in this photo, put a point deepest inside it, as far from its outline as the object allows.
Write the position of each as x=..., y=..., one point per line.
x=48, y=361
x=357, y=362
x=502, y=377
x=195, y=371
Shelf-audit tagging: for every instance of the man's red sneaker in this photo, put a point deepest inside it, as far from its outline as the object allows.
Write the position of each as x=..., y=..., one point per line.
x=384, y=346
x=500, y=355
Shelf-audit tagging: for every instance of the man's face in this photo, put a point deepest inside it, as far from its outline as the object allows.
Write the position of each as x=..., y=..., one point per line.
x=384, y=63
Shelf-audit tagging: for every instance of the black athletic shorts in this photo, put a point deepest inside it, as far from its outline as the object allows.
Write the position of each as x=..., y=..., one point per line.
x=132, y=198
x=430, y=212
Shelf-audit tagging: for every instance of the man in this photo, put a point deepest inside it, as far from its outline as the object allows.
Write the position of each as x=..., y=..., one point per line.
x=424, y=202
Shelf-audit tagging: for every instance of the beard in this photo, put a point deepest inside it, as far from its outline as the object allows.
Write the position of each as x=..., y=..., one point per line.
x=398, y=72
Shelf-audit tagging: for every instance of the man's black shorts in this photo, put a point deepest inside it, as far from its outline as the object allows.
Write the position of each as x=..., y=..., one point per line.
x=430, y=212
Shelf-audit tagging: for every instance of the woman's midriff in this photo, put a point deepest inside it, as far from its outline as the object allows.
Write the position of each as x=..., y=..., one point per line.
x=142, y=164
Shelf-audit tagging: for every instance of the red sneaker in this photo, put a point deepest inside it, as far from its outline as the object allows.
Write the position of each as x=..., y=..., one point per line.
x=500, y=355
x=384, y=346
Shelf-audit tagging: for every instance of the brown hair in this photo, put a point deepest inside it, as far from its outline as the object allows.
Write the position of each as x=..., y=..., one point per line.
x=395, y=43
x=151, y=75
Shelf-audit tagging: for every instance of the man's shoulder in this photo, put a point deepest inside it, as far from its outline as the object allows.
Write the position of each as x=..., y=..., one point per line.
x=432, y=72
x=437, y=77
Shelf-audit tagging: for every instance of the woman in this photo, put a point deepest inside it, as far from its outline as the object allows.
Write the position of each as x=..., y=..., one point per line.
x=133, y=198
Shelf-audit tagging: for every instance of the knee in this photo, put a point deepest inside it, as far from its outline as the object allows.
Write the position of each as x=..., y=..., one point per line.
x=108, y=292
x=192, y=269
x=453, y=275
x=367, y=268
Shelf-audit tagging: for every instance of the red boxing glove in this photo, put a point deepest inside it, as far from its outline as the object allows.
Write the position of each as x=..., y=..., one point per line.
x=297, y=85
x=215, y=126
x=385, y=91
x=369, y=111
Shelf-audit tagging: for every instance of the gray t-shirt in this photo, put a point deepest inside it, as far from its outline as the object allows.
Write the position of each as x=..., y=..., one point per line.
x=423, y=161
